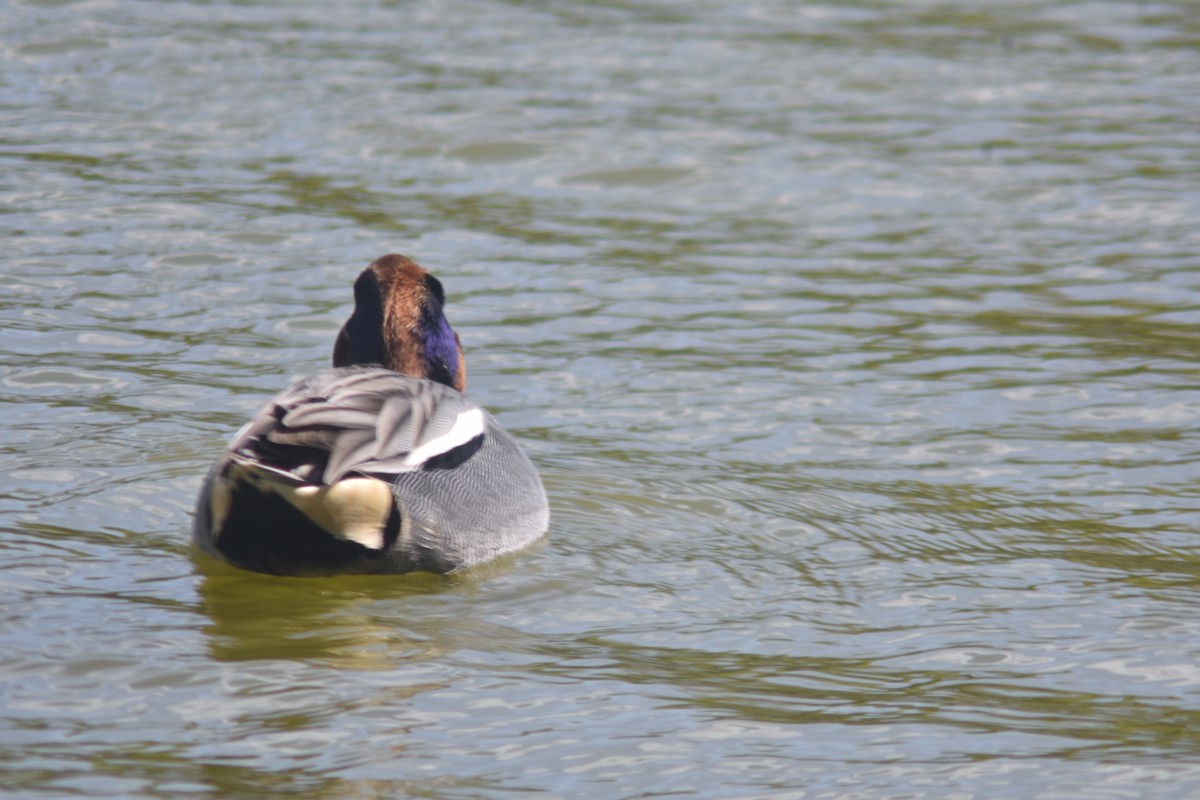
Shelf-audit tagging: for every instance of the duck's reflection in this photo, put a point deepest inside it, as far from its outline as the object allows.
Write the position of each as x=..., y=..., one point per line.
x=349, y=621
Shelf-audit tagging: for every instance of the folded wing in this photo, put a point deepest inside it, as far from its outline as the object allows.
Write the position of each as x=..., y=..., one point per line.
x=358, y=421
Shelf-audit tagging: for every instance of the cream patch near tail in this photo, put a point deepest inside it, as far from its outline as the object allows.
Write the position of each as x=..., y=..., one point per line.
x=355, y=508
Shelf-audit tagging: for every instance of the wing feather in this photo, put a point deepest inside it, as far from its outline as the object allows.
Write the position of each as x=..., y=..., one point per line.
x=358, y=420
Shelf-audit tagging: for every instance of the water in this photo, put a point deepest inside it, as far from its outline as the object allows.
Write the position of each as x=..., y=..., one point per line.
x=856, y=343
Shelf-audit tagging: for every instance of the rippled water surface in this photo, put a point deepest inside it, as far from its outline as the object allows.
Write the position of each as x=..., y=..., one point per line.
x=856, y=343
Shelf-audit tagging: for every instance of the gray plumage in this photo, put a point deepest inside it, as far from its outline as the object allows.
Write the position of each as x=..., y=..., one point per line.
x=462, y=492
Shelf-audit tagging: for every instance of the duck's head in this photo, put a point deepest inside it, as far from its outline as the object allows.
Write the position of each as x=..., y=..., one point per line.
x=398, y=322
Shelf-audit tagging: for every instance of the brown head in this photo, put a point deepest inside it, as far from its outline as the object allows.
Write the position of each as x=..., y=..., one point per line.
x=398, y=322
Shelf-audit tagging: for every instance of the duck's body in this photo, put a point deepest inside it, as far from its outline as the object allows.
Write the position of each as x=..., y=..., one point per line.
x=371, y=468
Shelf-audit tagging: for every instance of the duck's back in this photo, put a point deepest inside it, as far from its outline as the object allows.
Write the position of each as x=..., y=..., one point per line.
x=361, y=469
x=468, y=513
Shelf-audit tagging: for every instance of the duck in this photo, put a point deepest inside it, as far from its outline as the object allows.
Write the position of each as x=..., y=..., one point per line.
x=380, y=463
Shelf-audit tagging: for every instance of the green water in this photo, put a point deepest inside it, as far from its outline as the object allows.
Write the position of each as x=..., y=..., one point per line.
x=856, y=344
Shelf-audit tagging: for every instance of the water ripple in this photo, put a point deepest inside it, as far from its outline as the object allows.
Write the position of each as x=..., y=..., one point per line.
x=856, y=345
